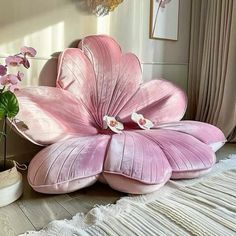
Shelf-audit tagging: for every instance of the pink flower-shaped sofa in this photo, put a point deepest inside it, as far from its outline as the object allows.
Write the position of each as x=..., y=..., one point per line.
x=99, y=91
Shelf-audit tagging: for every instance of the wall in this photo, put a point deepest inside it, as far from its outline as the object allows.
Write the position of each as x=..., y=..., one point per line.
x=129, y=24
x=50, y=26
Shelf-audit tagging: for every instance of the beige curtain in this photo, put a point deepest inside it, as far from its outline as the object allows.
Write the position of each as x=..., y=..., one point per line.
x=212, y=64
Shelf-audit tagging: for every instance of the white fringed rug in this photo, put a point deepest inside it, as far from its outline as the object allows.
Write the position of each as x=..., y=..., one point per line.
x=205, y=206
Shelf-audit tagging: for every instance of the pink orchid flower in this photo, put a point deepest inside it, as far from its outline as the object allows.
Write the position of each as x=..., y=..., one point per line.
x=13, y=79
x=3, y=80
x=97, y=83
x=28, y=51
x=13, y=88
x=14, y=61
x=26, y=63
x=20, y=75
x=3, y=70
x=142, y=122
x=9, y=79
x=113, y=124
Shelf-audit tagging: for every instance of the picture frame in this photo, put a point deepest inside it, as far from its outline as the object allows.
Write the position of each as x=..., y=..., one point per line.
x=164, y=19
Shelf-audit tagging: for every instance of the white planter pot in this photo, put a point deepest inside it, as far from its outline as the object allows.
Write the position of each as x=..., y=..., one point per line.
x=11, y=185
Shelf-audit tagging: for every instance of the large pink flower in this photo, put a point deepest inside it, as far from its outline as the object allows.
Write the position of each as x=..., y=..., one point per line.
x=96, y=84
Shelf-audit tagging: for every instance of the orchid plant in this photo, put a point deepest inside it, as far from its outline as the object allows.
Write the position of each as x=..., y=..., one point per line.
x=9, y=82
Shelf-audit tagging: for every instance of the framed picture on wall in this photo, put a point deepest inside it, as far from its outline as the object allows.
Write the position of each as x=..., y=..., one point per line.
x=164, y=19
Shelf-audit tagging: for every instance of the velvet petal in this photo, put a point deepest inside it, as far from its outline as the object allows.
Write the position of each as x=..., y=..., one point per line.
x=136, y=157
x=69, y=165
x=206, y=133
x=187, y=156
x=76, y=75
x=48, y=115
x=117, y=76
x=158, y=100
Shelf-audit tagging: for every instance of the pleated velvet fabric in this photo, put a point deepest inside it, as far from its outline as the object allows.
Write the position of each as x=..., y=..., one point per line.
x=96, y=80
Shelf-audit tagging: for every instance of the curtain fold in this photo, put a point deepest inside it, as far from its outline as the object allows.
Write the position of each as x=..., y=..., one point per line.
x=212, y=64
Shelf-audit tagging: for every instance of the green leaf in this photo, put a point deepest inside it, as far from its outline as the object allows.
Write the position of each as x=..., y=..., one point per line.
x=8, y=105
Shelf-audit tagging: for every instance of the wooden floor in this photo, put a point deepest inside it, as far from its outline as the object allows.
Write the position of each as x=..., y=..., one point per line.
x=34, y=210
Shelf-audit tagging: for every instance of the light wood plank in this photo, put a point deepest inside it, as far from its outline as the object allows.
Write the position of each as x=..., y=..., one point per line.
x=42, y=211
x=41, y=208
x=225, y=151
x=85, y=203
x=62, y=198
x=13, y=221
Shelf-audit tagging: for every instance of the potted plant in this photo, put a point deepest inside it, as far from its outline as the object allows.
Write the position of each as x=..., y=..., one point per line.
x=10, y=178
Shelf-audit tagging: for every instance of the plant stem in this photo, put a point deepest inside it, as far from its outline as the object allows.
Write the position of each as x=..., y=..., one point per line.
x=5, y=142
x=1, y=90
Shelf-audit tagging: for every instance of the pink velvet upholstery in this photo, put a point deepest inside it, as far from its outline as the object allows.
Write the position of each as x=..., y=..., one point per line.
x=97, y=80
